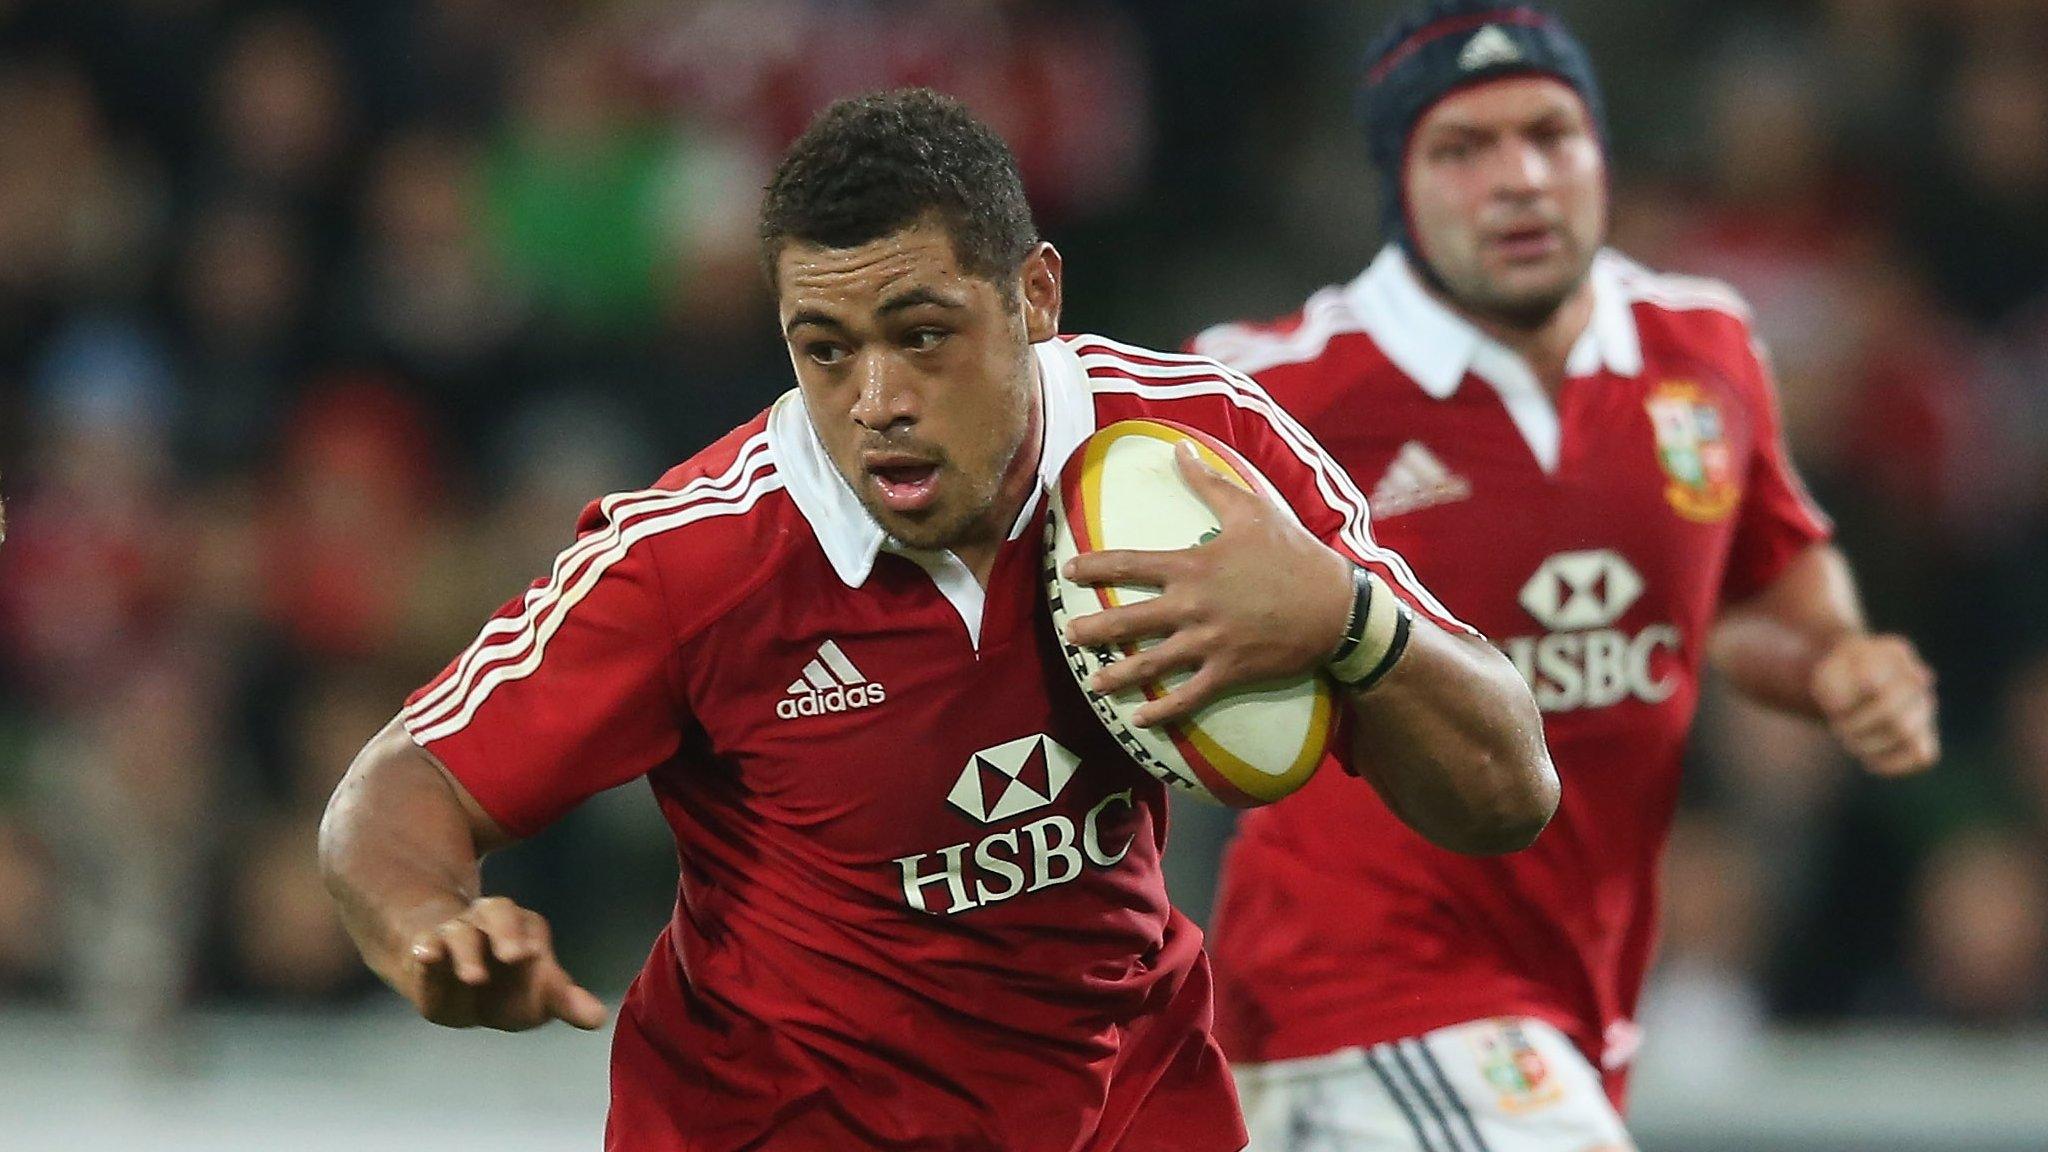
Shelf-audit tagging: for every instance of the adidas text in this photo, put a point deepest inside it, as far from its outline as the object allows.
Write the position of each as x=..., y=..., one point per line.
x=831, y=700
x=830, y=683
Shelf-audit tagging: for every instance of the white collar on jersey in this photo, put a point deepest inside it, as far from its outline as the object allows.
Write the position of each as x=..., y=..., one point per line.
x=850, y=537
x=1436, y=347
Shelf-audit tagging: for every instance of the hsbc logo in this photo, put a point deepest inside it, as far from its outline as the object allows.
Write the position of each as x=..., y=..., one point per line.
x=1574, y=590
x=1013, y=779
x=1583, y=661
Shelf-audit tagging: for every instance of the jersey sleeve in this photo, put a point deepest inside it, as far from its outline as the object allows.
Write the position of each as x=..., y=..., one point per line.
x=569, y=688
x=1207, y=395
x=1777, y=519
x=1322, y=494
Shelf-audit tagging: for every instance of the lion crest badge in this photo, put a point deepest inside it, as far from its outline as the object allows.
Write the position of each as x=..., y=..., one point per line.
x=1693, y=450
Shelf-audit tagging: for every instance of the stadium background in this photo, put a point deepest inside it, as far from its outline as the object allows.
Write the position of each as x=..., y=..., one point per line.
x=319, y=322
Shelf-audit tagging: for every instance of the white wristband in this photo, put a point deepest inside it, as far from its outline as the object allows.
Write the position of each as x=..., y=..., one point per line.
x=1377, y=635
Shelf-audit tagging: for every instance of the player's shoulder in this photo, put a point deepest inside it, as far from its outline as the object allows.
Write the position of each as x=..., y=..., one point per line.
x=1692, y=322
x=718, y=492
x=711, y=526
x=1126, y=381
x=1315, y=357
x=1676, y=306
x=1108, y=361
x=1329, y=326
x=740, y=451
x=1674, y=292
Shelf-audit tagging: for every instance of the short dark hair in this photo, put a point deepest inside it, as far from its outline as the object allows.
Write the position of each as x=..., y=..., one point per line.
x=873, y=165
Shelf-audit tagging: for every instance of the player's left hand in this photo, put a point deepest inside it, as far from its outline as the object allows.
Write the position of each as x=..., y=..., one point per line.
x=1877, y=696
x=1262, y=600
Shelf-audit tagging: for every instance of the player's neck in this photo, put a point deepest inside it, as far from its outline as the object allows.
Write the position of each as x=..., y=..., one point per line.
x=1546, y=345
x=1020, y=481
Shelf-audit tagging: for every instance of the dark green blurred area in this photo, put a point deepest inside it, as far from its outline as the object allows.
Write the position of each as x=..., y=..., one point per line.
x=319, y=323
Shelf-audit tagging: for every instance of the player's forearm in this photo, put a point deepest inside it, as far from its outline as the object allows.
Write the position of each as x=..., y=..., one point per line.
x=1768, y=646
x=397, y=851
x=1770, y=661
x=1453, y=742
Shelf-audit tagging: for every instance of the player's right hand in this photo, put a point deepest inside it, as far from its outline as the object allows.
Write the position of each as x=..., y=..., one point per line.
x=1877, y=695
x=1261, y=600
x=493, y=965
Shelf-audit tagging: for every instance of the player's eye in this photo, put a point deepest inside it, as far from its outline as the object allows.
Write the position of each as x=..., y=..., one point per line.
x=825, y=352
x=924, y=339
x=1455, y=151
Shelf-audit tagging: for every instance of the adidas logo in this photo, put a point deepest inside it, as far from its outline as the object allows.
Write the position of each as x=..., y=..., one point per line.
x=1416, y=479
x=830, y=683
x=1488, y=46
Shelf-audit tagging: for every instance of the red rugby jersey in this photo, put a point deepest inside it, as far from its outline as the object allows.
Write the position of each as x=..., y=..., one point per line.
x=1594, y=539
x=921, y=904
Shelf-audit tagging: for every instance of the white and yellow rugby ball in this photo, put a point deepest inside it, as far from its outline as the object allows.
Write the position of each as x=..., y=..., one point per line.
x=1119, y=490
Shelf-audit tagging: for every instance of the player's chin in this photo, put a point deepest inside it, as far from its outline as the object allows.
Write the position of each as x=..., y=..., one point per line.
x=1532, y=293
x=925, y=530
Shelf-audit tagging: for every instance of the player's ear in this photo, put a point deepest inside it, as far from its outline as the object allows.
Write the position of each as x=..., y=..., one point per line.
x=1041, y=290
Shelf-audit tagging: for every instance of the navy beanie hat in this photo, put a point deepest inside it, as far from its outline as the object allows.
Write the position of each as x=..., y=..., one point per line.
x=1438, y=49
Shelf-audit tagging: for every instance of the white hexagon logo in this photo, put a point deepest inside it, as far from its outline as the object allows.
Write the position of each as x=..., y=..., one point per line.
x=1013, y=778
x=1578, y=590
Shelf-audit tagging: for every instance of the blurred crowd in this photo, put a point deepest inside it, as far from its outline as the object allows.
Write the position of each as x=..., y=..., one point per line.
x=319, y=323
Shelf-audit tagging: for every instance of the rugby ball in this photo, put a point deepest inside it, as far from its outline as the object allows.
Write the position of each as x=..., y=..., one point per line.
x=1122, y=490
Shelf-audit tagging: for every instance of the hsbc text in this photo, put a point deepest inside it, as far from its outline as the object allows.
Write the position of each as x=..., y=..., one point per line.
x=1042, y=854
x=1568, y=671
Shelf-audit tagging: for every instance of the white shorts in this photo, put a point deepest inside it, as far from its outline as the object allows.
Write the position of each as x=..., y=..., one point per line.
x=1483, y=1086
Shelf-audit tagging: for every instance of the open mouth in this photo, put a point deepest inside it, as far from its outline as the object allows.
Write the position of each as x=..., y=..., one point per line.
x=905, y=485
x=1527, y=243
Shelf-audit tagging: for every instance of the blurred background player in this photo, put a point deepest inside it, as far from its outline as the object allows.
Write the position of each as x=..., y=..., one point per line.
x=1585, y=458
x=905, y=919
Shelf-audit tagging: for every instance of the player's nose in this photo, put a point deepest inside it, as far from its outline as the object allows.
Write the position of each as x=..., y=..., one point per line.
x=1521, y=169
x=884, y=397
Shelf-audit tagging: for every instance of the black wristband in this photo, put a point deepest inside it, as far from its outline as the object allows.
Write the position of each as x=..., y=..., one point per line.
x=1354, y=626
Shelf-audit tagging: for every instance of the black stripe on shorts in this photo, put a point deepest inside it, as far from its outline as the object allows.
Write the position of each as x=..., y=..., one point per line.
x=1406, y=1069
x=1385, y=1062
x=1457, y=1102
